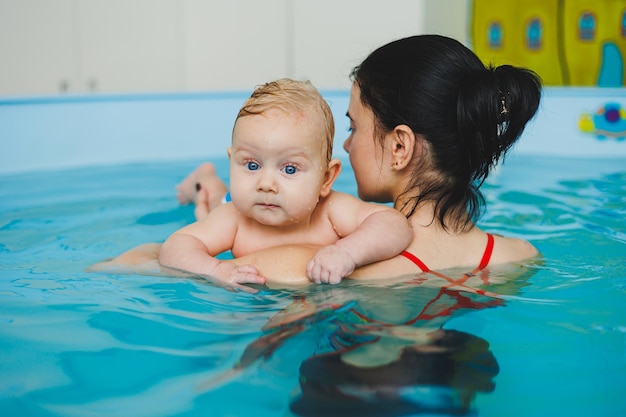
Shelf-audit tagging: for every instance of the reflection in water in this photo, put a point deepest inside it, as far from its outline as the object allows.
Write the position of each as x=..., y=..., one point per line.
x=382, y=351
x=439, y=375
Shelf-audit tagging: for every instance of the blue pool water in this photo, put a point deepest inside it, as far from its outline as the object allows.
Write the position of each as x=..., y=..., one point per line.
x=74, y=343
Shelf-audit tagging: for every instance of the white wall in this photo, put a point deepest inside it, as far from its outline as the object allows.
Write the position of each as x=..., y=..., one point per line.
x=63, y=132
x=136, y=46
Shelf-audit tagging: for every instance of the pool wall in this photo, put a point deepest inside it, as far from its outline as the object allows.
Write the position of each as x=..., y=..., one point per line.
x=46, y=133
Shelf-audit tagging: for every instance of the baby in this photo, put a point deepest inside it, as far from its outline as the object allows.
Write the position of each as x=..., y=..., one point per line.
x=281, y=174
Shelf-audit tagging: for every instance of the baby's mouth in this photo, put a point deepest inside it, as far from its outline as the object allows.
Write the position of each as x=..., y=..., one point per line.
x=267, y=205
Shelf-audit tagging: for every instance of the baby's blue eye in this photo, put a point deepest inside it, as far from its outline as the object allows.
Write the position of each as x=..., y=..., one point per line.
x=252, y=166
x=290, y=170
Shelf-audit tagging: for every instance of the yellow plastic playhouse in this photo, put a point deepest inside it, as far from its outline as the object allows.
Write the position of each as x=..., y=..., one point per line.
x=567, y=42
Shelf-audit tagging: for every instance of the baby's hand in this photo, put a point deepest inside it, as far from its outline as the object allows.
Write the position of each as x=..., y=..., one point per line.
x=329, y=265
x=232, y=276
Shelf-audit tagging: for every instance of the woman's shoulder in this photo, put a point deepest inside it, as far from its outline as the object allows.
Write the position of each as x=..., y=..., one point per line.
x=511, y=249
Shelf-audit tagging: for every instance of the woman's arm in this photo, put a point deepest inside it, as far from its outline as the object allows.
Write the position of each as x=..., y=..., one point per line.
x=285, y=266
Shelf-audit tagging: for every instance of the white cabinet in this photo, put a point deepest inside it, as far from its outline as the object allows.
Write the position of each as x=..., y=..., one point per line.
x=128, y=46
x=135, y=46
x=37, y=46
x=80, y=46
x=332, y=37
x=235, y=44
x=119, y=46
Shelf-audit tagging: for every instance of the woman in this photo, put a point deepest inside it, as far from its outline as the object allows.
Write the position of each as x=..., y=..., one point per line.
x=428, y=122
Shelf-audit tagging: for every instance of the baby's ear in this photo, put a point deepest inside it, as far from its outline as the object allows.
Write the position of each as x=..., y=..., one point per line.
x=228, y=151
x=331, y=174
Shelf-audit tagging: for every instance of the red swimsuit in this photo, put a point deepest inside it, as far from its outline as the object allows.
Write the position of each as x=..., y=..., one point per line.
x=483, y=262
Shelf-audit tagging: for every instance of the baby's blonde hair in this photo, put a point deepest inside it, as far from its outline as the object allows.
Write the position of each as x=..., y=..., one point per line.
x=292, y=96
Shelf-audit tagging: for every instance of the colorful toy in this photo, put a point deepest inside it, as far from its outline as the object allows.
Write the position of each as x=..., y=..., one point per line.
x=608, y=122
x=567, y=42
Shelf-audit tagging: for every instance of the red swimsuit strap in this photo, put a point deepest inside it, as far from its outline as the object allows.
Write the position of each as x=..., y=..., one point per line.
x=462, y=301
x=417, y=261
x=482, y=265
x=488, y=251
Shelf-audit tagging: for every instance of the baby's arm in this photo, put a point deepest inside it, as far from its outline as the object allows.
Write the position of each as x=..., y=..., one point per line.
x=191, y=250
x=370, y=233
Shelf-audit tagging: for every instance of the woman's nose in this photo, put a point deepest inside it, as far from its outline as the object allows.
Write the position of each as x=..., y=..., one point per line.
x=346, y=144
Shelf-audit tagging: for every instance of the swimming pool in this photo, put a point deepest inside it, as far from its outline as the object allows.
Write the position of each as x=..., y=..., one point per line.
x=88, y=344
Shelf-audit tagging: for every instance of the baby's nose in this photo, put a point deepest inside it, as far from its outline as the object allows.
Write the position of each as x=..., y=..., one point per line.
x=267, y=182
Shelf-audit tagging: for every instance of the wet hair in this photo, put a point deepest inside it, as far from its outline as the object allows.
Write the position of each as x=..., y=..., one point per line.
x=468, y=116
x=290, y=96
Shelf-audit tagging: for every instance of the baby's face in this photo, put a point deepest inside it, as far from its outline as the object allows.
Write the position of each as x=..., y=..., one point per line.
x=277, y=167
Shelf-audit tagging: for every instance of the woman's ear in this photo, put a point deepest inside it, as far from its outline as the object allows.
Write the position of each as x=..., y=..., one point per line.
x=229, y=151
x=331, y=174
x=402, y=142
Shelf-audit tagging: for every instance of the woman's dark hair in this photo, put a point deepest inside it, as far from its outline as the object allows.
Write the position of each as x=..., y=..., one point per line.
x=469, y=116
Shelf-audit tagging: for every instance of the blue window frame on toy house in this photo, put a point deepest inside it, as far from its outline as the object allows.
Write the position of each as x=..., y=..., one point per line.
x=495, y=35
x=534, y=34
x=587, y=26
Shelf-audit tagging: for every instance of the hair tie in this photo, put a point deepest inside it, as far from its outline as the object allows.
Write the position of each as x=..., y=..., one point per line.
x=504, y=99
x=503, y=116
